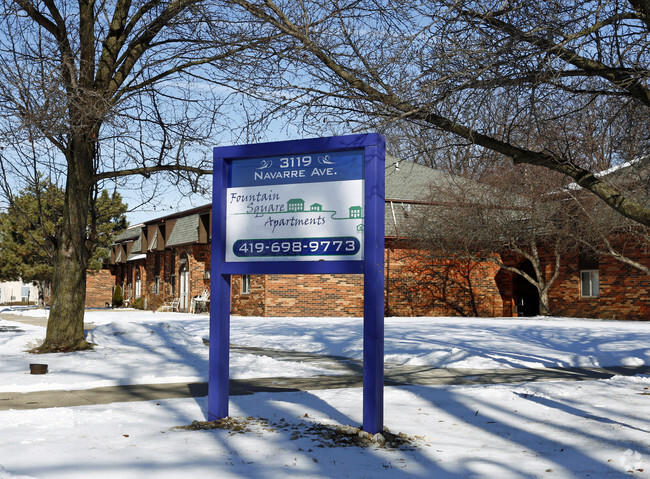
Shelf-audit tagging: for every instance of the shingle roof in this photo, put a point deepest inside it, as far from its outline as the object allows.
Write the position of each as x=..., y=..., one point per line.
x=408, y=181
x=411, y=188
x=137, y=246
x=186, y=230
x=131, y=233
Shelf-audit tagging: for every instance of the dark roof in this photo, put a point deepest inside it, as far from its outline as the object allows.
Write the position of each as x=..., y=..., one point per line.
x=409, y=182
x=411, y=189
x=129, y=234
x=185, y=231
x=137, y=247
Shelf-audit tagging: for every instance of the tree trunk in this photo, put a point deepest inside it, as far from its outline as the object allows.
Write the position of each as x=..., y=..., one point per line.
x=544, y=308
x=65, y=327
x=41, y=293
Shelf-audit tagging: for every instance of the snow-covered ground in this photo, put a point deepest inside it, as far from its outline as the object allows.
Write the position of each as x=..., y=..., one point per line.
x=598, y=428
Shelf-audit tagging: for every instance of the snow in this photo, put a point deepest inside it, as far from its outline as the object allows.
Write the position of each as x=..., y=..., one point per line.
x=620, y=167
x=555, y=429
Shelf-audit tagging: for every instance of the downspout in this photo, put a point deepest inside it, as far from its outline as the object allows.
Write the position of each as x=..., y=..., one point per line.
x=392, y=210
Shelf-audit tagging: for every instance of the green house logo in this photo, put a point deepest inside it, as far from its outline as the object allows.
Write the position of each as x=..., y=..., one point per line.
x=355, y=212
x=296, y=204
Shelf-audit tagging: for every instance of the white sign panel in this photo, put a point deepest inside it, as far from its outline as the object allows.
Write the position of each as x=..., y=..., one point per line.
x=302, y=208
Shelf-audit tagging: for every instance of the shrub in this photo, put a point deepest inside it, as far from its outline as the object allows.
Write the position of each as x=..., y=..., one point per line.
x=139, y=303
x=118, y=299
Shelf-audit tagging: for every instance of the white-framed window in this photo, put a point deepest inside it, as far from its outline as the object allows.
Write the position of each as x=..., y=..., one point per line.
x=156, y=285
x=24, y=293
x=245, y=284
x=589, y=283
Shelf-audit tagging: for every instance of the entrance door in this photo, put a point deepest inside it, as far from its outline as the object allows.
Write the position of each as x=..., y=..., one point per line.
x=138, y=284
x=526, y=294
x=184, y=285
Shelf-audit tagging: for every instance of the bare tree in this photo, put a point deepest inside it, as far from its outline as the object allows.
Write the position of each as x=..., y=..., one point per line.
x=436, y=281
x=92, y=93
x=511, y=221
x=531, y=81
x=601, y=231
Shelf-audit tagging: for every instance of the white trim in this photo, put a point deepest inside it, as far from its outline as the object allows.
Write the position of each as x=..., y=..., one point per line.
x=594, y=283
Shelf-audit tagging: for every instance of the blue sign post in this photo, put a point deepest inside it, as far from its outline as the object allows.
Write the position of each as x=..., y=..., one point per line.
x=311, y=206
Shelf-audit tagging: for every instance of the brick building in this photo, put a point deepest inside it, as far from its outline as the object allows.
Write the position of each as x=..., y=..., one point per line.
x=165, y=258
x=169, y=257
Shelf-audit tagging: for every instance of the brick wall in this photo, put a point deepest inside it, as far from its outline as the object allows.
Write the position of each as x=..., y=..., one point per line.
x=420, y=284
x=158, y=264
x=411, y=290
x=407, y=293
x=99, y=288
x=624, y=290
x=314, y=295
x=199, y=264
x=251, y=303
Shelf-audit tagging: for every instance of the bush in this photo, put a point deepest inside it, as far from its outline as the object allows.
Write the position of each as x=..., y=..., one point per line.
x=139, y=303
x=118, y=299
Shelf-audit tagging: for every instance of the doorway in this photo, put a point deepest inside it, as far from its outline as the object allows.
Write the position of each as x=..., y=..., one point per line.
x=525, y=294
x=184, y=283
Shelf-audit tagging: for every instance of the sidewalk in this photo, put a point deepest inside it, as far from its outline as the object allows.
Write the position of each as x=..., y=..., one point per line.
x=35, y=321
x=394, y=376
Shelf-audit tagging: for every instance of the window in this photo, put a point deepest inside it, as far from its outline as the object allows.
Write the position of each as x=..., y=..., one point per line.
x=245, y=284
x=156, y=285
x=589, y=285
x=589, y=280
x=138, y=285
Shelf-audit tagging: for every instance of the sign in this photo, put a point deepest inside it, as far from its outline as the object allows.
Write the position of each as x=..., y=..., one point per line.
x=311, y=206
x=296, y=208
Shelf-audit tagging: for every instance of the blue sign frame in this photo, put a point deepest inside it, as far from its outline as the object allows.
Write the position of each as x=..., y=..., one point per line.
x=299, y=162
